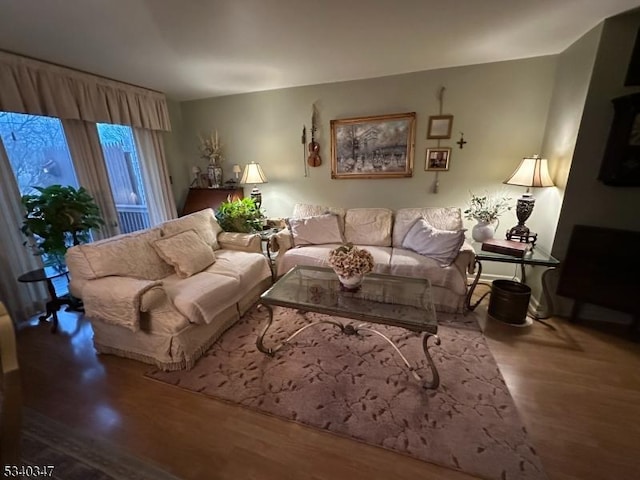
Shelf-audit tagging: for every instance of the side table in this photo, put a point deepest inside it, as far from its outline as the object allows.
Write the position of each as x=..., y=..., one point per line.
x=535, y=257
x=265, y=235
x=47, y=274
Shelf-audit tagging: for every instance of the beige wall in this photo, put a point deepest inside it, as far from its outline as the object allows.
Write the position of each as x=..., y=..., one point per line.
x=180, y=176
x=573, y=75
x=500, y=107
x=587, y=200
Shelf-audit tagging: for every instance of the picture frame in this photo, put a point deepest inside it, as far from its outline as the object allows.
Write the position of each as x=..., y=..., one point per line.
x=437, y=159
x=380, y=146
x=440, y=126
x=620, y=165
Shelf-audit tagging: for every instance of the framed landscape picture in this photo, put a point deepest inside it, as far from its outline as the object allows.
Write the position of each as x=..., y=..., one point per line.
x=373, y=147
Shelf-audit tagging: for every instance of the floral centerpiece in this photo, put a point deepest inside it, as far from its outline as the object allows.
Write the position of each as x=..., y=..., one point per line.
x=351, y=264
x=486, y=209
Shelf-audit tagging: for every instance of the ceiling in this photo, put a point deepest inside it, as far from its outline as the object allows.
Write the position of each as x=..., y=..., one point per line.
x=194, y=49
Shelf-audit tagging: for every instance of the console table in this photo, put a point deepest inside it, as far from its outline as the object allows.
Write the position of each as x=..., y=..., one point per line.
x=201, y=198
x=537, y=256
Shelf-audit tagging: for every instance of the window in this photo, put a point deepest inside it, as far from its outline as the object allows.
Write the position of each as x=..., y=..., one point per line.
x=123, y=167
x=37, y=150
x=39, y=157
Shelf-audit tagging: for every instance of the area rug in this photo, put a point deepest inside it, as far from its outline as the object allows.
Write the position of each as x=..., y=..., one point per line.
x=357, y=386
x=67, y=454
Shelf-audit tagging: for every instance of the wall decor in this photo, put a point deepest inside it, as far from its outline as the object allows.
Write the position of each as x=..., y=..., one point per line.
x=440, y=126
x=373, y=147
x=621, y=162
x=437, y=159
x=633, y=70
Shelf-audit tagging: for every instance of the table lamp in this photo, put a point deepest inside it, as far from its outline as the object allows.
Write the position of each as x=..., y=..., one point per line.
x=253, y=174
x=237, y=171
x=532, y=172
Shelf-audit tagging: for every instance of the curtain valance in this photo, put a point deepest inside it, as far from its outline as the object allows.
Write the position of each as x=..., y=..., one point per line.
x=40, y=88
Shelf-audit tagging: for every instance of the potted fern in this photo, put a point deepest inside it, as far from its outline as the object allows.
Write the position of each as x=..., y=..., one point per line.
x=57, y=218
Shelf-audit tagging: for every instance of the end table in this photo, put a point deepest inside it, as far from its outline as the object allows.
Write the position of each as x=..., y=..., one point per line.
x=47, y=274
x=536, y=256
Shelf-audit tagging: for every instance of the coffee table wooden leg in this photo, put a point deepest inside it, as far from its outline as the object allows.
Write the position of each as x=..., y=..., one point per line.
x=425, y=345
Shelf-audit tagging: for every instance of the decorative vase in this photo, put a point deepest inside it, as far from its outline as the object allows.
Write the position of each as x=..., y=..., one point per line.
x=352, y=283
x=482, y=231
x=214, y=173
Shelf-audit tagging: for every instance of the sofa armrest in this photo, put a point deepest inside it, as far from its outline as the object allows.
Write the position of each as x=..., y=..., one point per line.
x=281, y=241
x=246, y=242
x=466, y=260
x=118, y=300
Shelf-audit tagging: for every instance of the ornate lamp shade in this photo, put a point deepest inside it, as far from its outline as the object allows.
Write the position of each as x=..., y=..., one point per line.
x=254, y=175
x=532, y=172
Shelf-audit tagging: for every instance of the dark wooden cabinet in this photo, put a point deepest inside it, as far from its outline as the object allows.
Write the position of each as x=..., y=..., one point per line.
x=201, y=198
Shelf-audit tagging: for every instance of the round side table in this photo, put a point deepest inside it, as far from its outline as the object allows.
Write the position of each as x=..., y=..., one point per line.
x=47, y=274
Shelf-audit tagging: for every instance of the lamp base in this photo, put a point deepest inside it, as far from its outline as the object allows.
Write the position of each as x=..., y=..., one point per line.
x=522, y=234
x=256, y=196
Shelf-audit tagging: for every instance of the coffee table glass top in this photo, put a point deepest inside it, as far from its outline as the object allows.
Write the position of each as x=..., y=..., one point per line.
x=387, y=299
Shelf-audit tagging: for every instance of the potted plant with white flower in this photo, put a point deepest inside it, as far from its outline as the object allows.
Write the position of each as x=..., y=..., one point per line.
x=351, y=264
x=485, y=209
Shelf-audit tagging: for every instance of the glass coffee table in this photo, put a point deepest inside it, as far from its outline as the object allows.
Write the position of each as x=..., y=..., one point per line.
x=404, y=302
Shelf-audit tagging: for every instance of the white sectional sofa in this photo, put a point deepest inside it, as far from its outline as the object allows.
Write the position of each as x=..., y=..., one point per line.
x=384, y=233
x=164, y=295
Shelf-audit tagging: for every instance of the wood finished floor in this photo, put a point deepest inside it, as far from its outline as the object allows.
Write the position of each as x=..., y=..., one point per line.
x=576, y=387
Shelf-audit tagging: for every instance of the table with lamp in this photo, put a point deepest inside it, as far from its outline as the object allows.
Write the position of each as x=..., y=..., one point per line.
x=532, y=172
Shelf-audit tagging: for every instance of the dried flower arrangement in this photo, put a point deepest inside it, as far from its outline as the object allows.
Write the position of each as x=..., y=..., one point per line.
x=211, y=148
x=348, y=260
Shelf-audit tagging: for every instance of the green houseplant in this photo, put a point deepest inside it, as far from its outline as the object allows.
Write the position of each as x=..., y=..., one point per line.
x=60, y=216
x=242, y=215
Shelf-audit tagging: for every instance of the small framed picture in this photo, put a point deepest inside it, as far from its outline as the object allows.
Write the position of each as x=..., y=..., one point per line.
x=437, y=159
x=440, y=126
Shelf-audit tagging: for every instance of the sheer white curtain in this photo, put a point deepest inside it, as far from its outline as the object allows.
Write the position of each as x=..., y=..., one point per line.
x=155, y=175
x=23, y=300
x=86, y=153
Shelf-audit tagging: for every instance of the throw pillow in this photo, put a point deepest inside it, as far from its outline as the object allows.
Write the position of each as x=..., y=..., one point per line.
x=315, y=230
x=186, y=252
x=441, y=245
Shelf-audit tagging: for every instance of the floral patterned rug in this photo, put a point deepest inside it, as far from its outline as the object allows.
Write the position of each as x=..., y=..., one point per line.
x=357, y=386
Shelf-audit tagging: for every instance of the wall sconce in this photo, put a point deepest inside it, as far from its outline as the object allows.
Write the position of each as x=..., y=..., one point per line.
x=253, y=174
x=532, y=172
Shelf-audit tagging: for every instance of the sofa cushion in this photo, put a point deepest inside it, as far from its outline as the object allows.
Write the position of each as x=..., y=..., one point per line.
x=318, y=255
x=203, y=222
x=249, y=268
x=186, y=252
x=301, y=210
x=368, y=226
x=411, y=264
x=129, y=255
x=441, y=245
x=202, y=296
x=443, y=218
x=316, y=230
